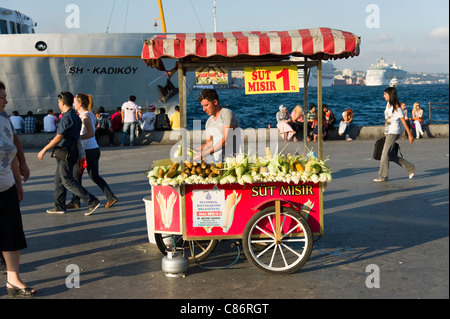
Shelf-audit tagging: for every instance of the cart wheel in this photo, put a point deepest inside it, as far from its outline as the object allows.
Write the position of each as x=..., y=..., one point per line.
x=283, y=257
x=202, y=248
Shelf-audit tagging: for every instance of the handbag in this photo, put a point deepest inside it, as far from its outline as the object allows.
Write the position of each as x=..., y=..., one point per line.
x=60, y=153
x=378, y=149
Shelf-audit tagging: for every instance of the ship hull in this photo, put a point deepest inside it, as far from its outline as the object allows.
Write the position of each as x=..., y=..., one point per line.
x=107, y=66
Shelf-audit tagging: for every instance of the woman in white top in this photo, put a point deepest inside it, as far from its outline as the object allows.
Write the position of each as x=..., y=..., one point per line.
x=92, y=150
x=393, y=118
x=417, y=117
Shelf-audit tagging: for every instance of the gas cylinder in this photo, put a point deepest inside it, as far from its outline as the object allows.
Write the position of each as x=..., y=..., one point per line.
x=175, y=263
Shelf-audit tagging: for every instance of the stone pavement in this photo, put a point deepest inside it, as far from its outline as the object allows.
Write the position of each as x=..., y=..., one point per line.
x=401, y=227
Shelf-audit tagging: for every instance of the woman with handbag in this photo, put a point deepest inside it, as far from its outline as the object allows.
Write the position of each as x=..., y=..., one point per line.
x=393, y=119
x=82, y=103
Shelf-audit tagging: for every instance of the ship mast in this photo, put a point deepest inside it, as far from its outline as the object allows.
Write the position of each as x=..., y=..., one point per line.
x=161, y=17
x=214, y=13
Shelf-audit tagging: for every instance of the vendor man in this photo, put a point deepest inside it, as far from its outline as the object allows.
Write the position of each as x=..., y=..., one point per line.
x=223, y=136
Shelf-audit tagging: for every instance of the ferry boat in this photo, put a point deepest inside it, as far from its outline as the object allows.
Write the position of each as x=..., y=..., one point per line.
x=382, y=73
x=37, y=67
x=393, y=82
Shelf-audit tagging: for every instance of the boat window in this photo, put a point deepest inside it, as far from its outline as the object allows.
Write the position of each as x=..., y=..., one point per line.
x=18, y=28
x=3, y=29
x=12, y=27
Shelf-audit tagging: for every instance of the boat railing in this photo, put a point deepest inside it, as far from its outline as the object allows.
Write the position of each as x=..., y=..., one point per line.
x=440, y=105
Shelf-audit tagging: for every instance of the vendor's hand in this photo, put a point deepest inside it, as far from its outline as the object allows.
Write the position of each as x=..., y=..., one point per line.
x=198, y=157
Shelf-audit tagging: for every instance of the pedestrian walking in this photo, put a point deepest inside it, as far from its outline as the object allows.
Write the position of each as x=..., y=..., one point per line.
x=67, y=153
x=92, y=151
x=394, y=118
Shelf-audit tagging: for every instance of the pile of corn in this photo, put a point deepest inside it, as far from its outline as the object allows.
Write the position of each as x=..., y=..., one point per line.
x=242, y=169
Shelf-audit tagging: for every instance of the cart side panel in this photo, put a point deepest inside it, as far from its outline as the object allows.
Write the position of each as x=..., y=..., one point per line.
x=166, y=209
x=207, y=216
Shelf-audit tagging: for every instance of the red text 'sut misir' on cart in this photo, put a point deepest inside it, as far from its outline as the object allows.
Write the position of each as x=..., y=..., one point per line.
x=272, y=202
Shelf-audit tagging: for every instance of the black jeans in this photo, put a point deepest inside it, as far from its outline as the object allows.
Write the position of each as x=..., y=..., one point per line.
x=92, y=159
x=64, y=182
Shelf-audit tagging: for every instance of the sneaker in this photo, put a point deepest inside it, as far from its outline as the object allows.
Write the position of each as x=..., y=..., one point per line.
x=92, y=209
x=72, y=205
x=111, y=202
x=55, y=211
x=380, y=179
x=411, y=175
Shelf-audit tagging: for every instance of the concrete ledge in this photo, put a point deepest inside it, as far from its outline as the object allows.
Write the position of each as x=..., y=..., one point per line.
x=39, y=140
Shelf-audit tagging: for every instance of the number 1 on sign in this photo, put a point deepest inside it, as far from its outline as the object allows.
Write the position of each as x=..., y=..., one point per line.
x=285, y=75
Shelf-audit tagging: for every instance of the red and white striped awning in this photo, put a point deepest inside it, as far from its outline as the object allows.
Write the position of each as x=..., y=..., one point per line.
x=317, y=43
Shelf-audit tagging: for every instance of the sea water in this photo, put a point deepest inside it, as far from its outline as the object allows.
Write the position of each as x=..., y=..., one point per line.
x=367, y=103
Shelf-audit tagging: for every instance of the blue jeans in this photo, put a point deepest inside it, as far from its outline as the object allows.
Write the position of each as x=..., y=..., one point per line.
x=131, y=126
x=347, y=132
x=64, y=182
x=92, y=158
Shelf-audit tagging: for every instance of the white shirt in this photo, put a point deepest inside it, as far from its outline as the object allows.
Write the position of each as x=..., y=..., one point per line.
x=50, y=123
x=129, y=112
x=393, y=122
x=7, y=153
x=17, y=121
x=214, y=129
x=91, y=142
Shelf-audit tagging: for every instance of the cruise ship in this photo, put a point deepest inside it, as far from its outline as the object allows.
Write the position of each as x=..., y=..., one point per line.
x=37, y=67
x=382, y=73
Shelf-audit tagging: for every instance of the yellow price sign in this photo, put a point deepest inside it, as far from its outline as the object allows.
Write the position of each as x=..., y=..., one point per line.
x=271, y=79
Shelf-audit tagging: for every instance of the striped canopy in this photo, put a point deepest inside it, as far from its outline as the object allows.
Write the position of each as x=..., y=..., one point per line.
x=317, y=43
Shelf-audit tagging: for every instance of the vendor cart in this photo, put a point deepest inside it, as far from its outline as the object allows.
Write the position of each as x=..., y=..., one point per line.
x=276, y=221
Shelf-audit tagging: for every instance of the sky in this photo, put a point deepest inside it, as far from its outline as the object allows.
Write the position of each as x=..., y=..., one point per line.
x=411, y=33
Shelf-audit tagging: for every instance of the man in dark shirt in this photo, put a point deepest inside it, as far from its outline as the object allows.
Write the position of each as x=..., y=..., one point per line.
x=67, y=137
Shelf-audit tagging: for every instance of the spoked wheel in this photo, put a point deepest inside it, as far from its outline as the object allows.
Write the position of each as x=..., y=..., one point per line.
x=202, y=248
x=283, y=256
